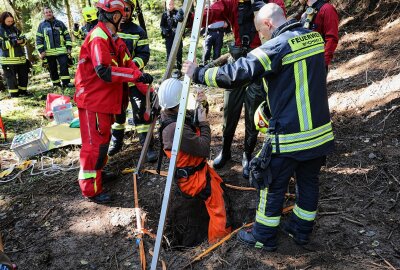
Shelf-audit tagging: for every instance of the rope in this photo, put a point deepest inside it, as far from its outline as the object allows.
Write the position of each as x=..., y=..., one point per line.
x=46, y=170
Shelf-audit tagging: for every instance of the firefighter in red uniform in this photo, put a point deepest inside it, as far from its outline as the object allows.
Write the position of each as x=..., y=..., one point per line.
x=194, y=176
x=322, y=17
x=104, y=65
x=239, y=14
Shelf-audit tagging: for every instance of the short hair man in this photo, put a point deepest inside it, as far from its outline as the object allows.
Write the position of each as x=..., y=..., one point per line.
x=291, y=64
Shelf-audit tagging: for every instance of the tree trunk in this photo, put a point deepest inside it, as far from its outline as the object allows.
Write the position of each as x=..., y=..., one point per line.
x=70, y=19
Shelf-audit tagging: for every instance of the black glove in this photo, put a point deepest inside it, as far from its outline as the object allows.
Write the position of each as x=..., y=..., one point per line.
x=260, y=171
x=146, y=78
x=179, y=15
x=76, y=27
x=14, y=42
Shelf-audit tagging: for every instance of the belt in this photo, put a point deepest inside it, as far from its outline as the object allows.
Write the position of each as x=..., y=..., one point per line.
x=214, y=29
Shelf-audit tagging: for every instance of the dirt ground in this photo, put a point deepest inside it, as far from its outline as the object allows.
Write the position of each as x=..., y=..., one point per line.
x=46, y=224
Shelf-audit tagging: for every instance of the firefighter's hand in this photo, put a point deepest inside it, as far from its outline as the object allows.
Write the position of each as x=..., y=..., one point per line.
x=42, y=55
x=188, y=68
x=146, y=78
x=201, y=113
x=76, y=27
x=179, y=15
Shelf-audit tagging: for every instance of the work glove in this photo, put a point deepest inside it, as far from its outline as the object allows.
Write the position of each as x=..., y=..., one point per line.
x=201, y=113
x=76, y=27
x=179, y=15
x=146, y=78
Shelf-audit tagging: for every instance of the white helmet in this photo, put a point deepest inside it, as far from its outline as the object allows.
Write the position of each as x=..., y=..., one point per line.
x=169, y=93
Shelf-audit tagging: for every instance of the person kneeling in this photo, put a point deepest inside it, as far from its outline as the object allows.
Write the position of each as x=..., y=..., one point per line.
x=195, y=178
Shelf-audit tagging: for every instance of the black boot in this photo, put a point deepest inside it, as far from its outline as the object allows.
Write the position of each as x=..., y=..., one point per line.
x=151, y=155
x=117, y=141
x=246, y=165
x=224, y=155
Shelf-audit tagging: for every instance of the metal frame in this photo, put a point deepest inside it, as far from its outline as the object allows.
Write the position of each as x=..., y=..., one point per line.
x=194, y=38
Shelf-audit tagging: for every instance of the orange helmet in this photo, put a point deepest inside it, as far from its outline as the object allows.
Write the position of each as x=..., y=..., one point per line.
x=111, y=6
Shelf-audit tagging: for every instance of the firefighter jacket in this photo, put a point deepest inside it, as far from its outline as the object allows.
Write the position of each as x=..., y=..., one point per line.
x=240, y=15
x=325, y=22
x=168, y=23
x=292, y=68
x=137, y=42
x=53, y=38
x=104, y=65
x=12, y=53
x=84, y=30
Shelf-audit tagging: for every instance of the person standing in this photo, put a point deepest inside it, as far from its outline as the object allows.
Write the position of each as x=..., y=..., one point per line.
x=169, y=22
x=214, y=38
x=137, y=43
x=322, y=17
x=291, y=65
x=104, y=65
x=54, y=45
x=90, y=17
x=240, y=15
x=12, y=56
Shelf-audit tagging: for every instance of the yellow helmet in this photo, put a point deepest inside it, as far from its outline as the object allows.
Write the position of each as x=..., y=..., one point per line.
x=261, y=117
x=89, y=14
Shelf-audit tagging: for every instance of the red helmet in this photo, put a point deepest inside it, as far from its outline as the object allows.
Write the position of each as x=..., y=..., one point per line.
x=111, y=6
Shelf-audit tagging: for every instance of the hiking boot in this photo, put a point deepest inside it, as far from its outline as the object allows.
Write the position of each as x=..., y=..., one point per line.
x=300, y=238
x=246, y=237
x=14, y=94
x=246, y=165
x=117, y=140
x=25, y=93
x=108, y=177
x=221, y=159
x=102, y=198
x=152, y=155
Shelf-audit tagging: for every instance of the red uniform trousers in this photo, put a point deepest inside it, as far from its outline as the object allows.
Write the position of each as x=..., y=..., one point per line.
x=96, y=135
x=218, y=226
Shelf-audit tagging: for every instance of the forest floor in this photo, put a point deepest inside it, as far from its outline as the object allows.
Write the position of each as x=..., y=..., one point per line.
x=47, y=224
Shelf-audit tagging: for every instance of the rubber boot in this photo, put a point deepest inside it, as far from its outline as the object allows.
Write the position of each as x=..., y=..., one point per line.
x=225, y=153
x=152, y=155
x=246, y=165
x=117, y=140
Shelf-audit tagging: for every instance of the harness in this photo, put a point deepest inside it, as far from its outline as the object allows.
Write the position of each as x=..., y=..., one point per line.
x=311, y=13
x=184, y=172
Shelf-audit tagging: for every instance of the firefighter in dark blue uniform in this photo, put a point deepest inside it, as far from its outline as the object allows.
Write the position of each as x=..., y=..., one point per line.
x=54, y=45
x=137, y=42
x=291, y=65
x=168, y=24
x=90, y=16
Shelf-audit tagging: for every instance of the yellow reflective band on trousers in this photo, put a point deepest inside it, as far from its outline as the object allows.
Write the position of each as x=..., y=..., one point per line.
x=302, y=54
x=55, y=81
x=56, y=51
x=262, y=58
x=22, y=88
x=302, y=97
x=304, y=214
x=65, y=77
x=86, y=174
x=11, y=52
x=117, y=126
x=142, y=128
x=13, y=90
x=139, y=61
x=260, y=215
x=211, y=76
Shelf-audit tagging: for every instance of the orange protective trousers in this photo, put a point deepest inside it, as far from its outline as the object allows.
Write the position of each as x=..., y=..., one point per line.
x=218, y=226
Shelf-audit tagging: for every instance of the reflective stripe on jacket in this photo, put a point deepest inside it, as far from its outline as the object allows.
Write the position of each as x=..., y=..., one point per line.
x=11, y=53
x=53, y=38
x=104, y=65
x=137, y=42
x=293, y=70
